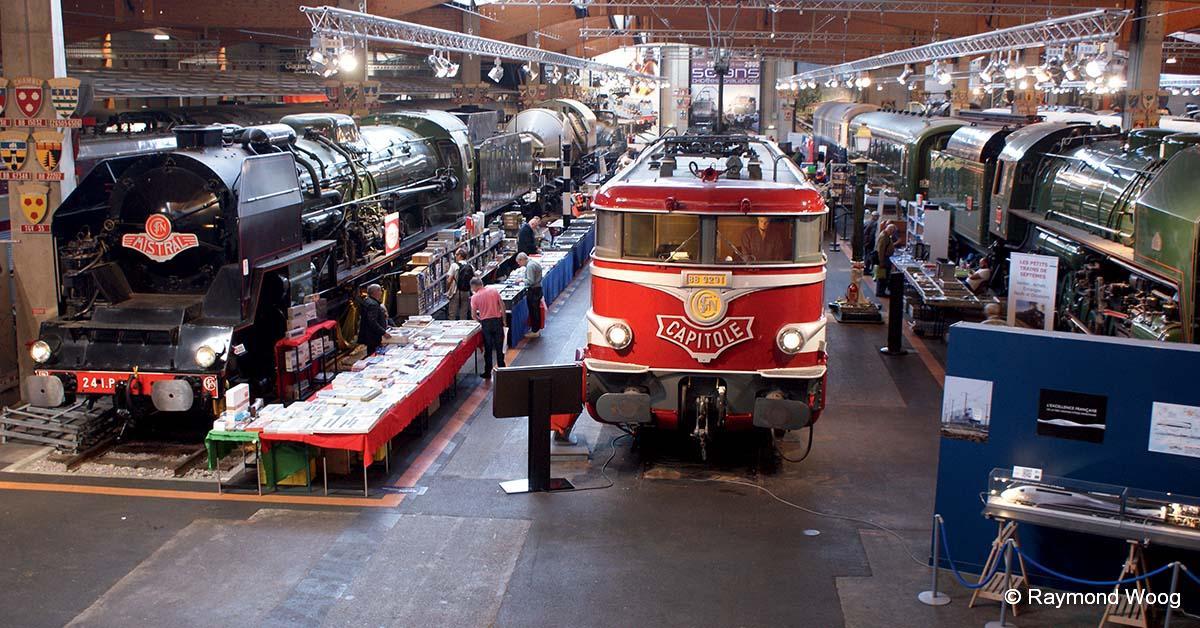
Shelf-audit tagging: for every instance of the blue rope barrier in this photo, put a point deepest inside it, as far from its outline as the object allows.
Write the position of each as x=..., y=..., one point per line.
x=983, y=581
x=1188, y=572
x=1099, y=583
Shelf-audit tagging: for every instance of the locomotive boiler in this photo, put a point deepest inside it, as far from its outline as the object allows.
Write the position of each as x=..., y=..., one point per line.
x=707, y=292
x=1117, y=208
x=177, y=268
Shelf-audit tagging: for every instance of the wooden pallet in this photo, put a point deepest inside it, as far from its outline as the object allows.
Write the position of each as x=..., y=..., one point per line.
x=70, y=428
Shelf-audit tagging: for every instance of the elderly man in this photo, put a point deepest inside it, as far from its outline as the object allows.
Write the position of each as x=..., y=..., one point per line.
x=488, y=308
x=884, y=247
x=533, y=293
x=373, y=320
x=527, y=238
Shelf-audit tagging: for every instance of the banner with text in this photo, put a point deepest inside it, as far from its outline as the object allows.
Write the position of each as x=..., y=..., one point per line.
x=743, y=85
x=1032, y=286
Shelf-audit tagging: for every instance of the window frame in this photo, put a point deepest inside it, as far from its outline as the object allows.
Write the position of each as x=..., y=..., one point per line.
x=615, y=220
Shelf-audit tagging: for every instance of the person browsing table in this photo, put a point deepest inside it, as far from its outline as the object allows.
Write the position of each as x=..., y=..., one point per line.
x=488, y=308
x=533, y=292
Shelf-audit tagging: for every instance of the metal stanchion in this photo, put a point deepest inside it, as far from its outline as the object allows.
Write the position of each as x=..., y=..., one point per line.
x=1171, y=594
x=1003, y=623
x=932, y=597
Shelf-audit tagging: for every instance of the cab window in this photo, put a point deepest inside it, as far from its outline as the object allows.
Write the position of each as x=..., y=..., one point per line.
x=755, y=240
x=661, y=237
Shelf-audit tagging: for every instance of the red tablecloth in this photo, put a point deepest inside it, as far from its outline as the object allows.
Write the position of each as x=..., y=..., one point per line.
x=399, y=416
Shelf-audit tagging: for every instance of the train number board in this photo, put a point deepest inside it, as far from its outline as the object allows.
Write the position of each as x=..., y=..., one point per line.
x=706, y=280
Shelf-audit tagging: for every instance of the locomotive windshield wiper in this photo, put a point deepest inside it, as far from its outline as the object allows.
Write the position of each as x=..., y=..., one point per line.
x=670, y=256
x=733, y=246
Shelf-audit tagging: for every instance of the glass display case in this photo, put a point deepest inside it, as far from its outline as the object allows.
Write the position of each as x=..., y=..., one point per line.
x=1105, y=509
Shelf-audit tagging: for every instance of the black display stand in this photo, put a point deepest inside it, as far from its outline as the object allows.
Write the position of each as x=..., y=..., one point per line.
x=895, y=345
x=538, y=392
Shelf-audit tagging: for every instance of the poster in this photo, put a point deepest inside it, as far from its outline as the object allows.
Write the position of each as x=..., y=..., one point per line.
x=966, y=408
x=1072, y=415
x=743, y=85
x=1175, y=429
x=1032, y=285
x=391, y=233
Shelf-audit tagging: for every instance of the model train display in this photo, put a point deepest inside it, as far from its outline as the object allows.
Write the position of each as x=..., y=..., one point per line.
x=707, y=291
x=1119, y=209
x=178, y=267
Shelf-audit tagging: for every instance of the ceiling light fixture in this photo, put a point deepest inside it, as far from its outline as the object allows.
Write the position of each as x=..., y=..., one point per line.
x=497, y=71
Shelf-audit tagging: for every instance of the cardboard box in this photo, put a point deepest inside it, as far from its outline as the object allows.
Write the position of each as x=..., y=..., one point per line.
x=424, y=258
x=410, y=282
x=237, y=398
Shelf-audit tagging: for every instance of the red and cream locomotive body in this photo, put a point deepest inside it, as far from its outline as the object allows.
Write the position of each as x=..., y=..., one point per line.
x=708, y=291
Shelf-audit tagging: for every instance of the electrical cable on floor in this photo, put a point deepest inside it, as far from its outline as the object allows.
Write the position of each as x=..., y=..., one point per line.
x=807, y=450
x=818, y=513
x=608, y=481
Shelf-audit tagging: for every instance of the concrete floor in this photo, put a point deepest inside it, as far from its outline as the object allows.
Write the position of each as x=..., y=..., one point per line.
x=670, y=544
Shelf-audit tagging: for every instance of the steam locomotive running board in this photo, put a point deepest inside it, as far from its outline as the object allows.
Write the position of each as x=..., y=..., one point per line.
x=1115, y=251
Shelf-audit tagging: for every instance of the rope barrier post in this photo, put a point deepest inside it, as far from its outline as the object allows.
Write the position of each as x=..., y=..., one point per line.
x=932, y=597
x=1003, y=623
x=1171, y=594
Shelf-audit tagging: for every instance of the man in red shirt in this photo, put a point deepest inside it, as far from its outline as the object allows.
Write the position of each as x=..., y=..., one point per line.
x=488, y=308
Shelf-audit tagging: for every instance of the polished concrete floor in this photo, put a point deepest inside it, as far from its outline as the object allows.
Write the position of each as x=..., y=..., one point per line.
x=670, y=543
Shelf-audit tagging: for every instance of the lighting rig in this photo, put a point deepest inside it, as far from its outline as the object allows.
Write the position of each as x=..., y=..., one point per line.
x=331, y=24
x=1095, y=29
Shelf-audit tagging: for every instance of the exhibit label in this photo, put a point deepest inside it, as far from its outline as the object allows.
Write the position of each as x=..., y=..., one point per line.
x=1032, y=287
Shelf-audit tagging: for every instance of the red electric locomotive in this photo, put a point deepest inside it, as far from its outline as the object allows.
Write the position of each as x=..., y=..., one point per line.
x=708, y=291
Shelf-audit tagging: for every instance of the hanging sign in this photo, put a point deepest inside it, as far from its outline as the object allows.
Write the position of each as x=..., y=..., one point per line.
x=1032, y=287
x=391, y=233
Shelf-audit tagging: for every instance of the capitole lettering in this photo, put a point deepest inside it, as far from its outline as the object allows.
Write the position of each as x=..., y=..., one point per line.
x=705, y=343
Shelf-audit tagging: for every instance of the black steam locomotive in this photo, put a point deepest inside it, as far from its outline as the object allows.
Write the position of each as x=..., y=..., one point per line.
x=177, y=268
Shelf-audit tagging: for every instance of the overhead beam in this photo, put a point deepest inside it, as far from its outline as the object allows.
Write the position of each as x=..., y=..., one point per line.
x=355, y=26
x=932, y=7
x=1093, y=26
x=762, y=36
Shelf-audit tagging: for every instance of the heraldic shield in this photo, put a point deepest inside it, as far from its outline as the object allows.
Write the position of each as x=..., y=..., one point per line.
x=28, y=92
x=64, y=95
x=14, y=147
x=48, y=146
x=34, y=201
x=3, y=93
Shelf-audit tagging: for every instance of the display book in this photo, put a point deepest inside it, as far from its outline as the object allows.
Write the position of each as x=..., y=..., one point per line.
x=357, y=399
x=513, y=285
x=1103, y=509
x=422, y=287
x=571, y=236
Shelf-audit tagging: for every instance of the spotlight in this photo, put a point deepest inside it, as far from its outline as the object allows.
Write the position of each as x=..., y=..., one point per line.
x=774, y=8
x=864, y=81
x=1116, y=82
x=941, y=74
x=1095, y=67
x=1023, y=84
x=572, y=77
x=879, y=87
x=1042, y=73
x=978, y=91
x=1172, y=60
x=347, y=61
x=497, y=71
x=1020, y=72
x=161, y=37
x=904, y=74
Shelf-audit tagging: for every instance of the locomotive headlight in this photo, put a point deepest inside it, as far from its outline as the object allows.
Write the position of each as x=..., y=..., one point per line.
x=618, y=335
x=40, y=351
x=789, y=340
x=206, y=356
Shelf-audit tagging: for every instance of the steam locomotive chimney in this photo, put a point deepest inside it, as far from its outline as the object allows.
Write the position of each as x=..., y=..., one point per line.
x=198, y=135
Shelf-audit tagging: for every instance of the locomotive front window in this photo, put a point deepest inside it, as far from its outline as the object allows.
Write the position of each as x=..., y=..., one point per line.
x=608, y=234
x=755, y=240
x=661, y=237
